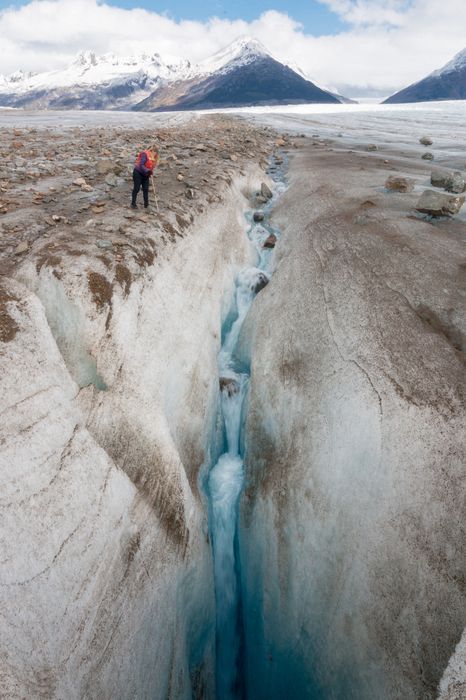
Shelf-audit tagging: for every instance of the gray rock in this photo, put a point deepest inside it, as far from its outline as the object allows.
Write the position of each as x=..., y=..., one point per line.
x=103, y=243
x=258, y=216
x=428, y=156
x=456, y=183
x=426, y=141
x=439, y=178
x=22, y=248
x=111, y=179
x=437, y=204
x=396, y=183
x=372, y=147
x=266, y=192
x=452, y=182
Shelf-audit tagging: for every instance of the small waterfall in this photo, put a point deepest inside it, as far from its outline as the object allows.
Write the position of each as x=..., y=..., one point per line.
x=226, y=478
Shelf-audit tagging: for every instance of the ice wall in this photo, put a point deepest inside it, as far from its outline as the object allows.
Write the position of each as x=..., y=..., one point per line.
x=352, y=530
x=106, y=579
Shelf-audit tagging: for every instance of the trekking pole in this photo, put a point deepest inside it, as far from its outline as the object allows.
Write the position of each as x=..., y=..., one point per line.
x=155, y=196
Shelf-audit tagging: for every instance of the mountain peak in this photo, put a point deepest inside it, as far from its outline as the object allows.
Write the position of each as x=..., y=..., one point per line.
x=243, y=50
x=458, y=62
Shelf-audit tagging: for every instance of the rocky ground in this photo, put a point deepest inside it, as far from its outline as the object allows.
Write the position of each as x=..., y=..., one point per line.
x=67, y=191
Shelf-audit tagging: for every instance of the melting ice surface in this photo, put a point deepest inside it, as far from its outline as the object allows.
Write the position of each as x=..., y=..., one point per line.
x=227, y=476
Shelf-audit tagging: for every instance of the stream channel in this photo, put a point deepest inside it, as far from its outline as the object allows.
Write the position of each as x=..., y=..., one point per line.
x=226, y=478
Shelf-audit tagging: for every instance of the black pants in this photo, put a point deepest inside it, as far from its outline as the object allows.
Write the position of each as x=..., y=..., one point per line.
x=140, y=181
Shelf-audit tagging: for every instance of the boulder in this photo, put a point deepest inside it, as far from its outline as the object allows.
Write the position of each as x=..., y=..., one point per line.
x=452, y=182
x=270, y=241
x=266, y=192
x=428, y=156
x=437, y=204
x=396, y=183
x=456, y=183
x=439, y=178
x=258, y=216
x=426, y=141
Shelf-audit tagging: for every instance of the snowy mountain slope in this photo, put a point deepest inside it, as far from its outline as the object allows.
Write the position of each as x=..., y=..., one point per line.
x=262, y=81
x=447, y=83
x=148, y=81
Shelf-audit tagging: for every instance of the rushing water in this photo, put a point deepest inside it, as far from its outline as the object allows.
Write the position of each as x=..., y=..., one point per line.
x=227, y=476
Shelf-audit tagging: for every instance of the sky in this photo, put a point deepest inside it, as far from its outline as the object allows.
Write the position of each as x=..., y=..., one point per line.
x=358, y=47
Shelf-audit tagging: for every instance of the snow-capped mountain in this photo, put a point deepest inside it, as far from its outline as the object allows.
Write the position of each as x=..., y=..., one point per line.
x=242, y=73
x=447, y=83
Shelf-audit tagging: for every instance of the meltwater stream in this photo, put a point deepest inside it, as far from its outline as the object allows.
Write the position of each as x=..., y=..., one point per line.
x=226, y=478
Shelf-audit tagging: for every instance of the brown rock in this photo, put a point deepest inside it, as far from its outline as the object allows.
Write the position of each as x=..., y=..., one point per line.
x=270, y=241
x=229, y=385
x=426, y=141
x=437, y=204
x=396, y=183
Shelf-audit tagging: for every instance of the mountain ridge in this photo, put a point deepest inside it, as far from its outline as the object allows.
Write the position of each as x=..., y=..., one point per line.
x=108, y=81
x=445, y=83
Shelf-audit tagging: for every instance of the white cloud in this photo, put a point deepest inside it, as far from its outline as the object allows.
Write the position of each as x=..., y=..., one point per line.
x=388, y=43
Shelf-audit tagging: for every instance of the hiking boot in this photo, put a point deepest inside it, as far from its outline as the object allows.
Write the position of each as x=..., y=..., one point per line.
x=134, y=206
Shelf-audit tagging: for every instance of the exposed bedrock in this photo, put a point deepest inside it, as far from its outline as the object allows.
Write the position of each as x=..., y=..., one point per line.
x=109, y=401
x=352, y=537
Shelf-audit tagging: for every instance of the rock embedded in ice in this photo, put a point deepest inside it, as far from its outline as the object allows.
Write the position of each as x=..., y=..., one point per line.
x=437, y=204
x=266, y=192
x=426, y=141
x=270, y=241
x=456, y=183
x=428, y=156
x=229, y=385
x=452, y=182
x=372, y=147
x=397, y=183
x=261, y=282
x=258, y=216
x=439, y=178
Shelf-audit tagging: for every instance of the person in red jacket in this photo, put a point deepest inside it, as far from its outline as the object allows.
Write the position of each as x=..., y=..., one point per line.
x=144, y=167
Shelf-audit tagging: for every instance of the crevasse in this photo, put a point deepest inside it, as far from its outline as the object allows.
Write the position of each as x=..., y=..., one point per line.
x=226, y=478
